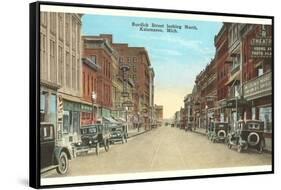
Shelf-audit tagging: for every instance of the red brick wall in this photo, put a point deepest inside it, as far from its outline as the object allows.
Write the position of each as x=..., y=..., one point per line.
x=104, y=76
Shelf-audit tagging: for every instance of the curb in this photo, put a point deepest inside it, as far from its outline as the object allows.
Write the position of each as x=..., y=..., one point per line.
x=129, y=136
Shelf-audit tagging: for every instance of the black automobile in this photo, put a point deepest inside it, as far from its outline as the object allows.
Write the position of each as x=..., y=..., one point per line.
x=249, y=133
x=218, y=131
x=93, y=136
x=52, y=156
x=118, y=133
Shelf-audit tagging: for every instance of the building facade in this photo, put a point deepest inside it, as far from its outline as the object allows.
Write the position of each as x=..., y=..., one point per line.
x=60, y=73
x=89, y=82
x=100, y=50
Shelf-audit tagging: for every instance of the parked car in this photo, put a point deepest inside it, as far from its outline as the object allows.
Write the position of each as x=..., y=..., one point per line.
x=218, y=131
x=93, y=136
x=118, y=133
x=188, y=127
x=52, y=156
x=249, y=133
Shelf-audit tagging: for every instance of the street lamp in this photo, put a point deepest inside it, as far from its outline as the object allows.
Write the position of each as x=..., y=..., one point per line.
x=94, y=97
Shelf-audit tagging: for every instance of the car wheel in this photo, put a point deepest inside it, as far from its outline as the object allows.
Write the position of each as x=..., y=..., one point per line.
x=63, y=164
x=98, y=148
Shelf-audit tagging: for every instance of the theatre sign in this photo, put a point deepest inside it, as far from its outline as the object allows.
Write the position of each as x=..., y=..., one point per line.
x=261, y=47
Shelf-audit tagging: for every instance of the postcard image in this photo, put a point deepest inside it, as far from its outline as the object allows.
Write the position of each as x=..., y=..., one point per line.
x=135, y=94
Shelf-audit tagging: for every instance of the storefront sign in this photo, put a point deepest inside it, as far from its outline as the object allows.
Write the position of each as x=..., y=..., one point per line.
x=261, y=86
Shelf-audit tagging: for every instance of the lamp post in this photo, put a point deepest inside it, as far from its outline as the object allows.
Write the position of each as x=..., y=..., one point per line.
x=94, y=97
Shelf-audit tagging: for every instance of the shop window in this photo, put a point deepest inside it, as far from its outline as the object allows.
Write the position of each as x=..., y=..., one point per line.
x=265, y=114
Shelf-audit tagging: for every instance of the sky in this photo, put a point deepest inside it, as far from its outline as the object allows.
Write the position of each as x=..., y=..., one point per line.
x=175, y=57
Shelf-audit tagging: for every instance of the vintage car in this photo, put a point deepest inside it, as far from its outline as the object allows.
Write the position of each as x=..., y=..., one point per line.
x=93, y=136
x=248, y=133
x=218, y=131
x=52, y=156
x=118, y=133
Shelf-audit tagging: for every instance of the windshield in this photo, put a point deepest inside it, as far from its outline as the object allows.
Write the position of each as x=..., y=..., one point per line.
x=92, y=130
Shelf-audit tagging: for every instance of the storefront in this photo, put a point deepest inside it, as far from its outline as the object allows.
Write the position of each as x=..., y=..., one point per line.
x=48, y=103
x=258, y=92
x=70, y=125
x=87, y=115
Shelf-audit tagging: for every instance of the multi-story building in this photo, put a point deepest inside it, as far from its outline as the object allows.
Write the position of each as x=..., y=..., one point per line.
x=99, y=49
x=60, y=73
x=257, y=73
x=221, y=57
x=89, y=83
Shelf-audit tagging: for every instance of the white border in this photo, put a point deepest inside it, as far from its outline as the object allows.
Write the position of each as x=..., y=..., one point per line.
x=162, y=174
x=152, y=14
x=152, y=175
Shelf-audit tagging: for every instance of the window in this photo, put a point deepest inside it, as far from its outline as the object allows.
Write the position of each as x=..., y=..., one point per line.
x=43, y=63
x=43, y=18
x=84, y=80
x=67, y=28
x=78, y=74
x=74, y=72
x=53, y=65
x=260, y=71
x=88, y=85
x=128, y=59
x=135, y=59
x=93, y=58
x=67, y=74
x=53, y=23
x=73, y=34
x=61, y=26
x=121, y=59
x=60, y=66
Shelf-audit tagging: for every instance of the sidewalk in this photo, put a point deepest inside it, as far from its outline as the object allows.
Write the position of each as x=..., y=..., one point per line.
x=268, y=141
x=135, y=132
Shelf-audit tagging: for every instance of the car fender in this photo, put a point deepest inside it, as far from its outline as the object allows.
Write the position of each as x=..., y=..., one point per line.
x=58, y=150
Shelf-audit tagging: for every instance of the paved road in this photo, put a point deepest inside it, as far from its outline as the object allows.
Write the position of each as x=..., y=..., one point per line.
x=161, y=149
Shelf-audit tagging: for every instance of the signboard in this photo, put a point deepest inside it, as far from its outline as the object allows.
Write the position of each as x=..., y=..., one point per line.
x=259, y=87
x=261, y=47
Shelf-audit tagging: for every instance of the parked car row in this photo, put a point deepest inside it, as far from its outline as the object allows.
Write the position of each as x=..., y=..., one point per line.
x=247, y=134
x=94, y=136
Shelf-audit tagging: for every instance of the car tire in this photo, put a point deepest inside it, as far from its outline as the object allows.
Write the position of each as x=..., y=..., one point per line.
x=63, y=164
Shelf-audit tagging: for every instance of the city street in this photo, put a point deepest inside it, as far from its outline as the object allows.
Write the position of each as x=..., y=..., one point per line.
x=164, y=148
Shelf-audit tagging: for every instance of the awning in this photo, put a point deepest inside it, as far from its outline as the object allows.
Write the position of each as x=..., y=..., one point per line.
x=110, y=120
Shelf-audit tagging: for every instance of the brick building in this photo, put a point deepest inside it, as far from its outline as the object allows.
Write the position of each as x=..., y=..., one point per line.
x=89, y=82
x=99, y=49
x=257, y=73
x=221, y=58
